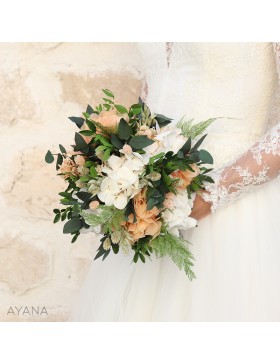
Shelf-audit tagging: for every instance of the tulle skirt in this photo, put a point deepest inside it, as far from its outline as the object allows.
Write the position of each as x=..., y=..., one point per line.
x=237, y=252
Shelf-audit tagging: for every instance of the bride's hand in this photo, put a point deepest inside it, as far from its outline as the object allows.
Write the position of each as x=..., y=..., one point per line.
x=200, y=209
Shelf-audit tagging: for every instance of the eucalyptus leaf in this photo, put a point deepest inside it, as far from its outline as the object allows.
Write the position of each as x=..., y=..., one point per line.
x=140, y=101
x=62, y=149
x=152, y=201
x=72, y=226
x=75, y=238
x=80, y=142
x=140, y=141
x=180, y=154
x=162, y=120
x=59, y=161
x=187, y=146
x=84, y=196
x=124, y=130
x=198, y=143
x=78, y=121
x=195, y=156
x=116, y=141
x=89, y=110
x=205, y=156
x=115, y=248
x=91, y=125
x=49, y=158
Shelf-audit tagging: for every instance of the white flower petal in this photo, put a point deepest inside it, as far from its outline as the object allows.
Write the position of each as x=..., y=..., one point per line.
x=114, y=161
x=120, y=201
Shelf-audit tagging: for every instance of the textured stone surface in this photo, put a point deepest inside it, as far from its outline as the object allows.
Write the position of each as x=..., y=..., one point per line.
x=42, y=84
x=23, y=265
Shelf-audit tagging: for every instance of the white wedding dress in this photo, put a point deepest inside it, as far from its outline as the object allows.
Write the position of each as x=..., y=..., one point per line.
x=237, y=247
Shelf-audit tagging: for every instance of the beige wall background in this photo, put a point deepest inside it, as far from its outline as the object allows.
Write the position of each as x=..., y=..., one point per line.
x=41, y=85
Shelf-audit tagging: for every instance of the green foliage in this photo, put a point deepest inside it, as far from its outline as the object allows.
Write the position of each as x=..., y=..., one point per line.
x=72, y=226
x=108, y=93
x=187, y=146
x=121, y=109
x=89, y=110
x=140, y=142
x=80, y=143
x=62, y=149
x=109, y=216
x=142, y=249
x=103, y=140
x=154, y=198
x=190, y=130
x=49, y=158
x=78, y=121
x=91, y=125
x=174, y=247
x=86, y=132
x=198, y=143
x=116, y=141
x=135, y=109
x=93, y=172
x=124, y=130
x=84, y=196
x=205, y=157
x=59, y=161
x=162, y=120
x=101, y=252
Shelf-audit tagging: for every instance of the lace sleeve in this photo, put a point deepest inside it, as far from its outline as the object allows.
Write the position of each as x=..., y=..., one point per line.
x=261, y=163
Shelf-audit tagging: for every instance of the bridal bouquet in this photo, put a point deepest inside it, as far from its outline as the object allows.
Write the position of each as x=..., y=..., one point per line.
x=132, y=176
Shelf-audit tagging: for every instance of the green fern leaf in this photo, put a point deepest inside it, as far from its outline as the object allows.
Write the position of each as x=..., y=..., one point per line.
x=104, y=214
x=174, y=247
x=190, y=130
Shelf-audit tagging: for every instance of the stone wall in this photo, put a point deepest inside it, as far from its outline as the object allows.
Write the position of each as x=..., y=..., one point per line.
x=41, y=85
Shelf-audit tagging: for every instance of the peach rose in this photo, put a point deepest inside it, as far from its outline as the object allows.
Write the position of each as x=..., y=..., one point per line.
x=147, y=221
x=186, y=176
x=109, y=119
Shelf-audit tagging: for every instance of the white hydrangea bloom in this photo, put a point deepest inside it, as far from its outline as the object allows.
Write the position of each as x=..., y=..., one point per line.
x=122, y=180
x=177, y=217
x=168, y=138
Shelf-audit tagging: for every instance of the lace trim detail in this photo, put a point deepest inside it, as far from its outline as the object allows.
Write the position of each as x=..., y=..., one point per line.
x=258, y=165
x=222, y=196
x=261, y=163
x=269, y=144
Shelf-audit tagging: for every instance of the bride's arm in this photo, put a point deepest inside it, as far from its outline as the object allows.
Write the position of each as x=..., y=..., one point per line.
x=261, y=163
